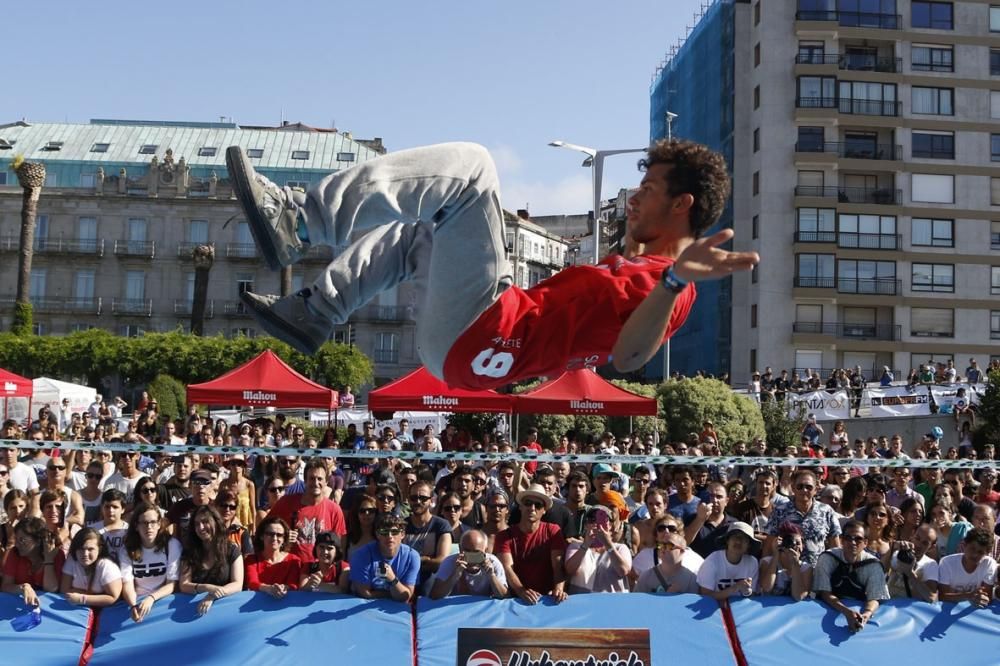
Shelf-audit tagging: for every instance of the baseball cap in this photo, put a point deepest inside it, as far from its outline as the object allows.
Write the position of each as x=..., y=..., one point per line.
x=601, y=468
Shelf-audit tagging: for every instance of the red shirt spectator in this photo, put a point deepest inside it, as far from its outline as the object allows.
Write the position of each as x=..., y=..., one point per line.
x=532, y=550
x=20, y=569
x=310, y=513
x=261, y=572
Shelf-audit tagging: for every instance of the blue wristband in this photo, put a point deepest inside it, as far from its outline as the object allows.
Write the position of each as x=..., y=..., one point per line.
x=671, y=282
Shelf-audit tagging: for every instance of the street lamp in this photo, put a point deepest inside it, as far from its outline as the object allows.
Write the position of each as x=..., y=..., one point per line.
x=671, y=116
x=595, y=160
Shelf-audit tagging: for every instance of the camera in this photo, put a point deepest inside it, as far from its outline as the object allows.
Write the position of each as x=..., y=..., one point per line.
x=599, y=517
x=474, y=557
x=313, y=567
x=905, y=556
x=382, y=571
x=788, y=542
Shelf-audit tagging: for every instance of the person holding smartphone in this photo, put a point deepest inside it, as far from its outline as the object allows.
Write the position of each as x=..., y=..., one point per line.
x=330, y=572
x=471, y=571
x=599, y=563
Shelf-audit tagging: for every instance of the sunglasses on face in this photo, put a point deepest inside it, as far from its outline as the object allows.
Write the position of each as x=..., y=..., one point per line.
x=4, y=472
x=201, y=481
x=274, y=535
x=420, y=498
x=228, y=507
x=395, y=531
x=673, y=529
x=367, y=511
x=452, y=507
x=57, y=468
x=148, y=490
x=533, y=504
x=386, y=498
x=853, y=538
x=94, y=475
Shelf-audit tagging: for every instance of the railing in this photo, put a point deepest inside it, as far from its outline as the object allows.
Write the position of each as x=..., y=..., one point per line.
x=877, y=286
x=853, y=19
x=133, y=248
x=185, y=249
x=183, y=307
x=241, y=251
x=933, y=154
x=235, y=309
x=386, y=355
x=92, y=246
x=858, y=331
x=132, y=306
x=387, y=313
x=852, y=240
x=872, y=374
x=59, y=305
x=878, y=195
x=855, y=62
x=850, y=105
x=852, y=150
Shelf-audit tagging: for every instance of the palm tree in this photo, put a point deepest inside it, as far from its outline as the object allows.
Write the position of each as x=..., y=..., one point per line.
x=203, y=257
x=31, y=178
x=286, y=280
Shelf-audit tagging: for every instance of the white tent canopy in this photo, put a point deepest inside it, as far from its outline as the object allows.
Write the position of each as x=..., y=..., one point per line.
x=52, y=391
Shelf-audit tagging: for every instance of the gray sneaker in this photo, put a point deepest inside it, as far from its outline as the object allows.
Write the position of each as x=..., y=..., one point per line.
x=274, y=213
x=289, y=320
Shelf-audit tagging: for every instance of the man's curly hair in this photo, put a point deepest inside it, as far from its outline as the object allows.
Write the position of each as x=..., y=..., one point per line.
x=697, y=170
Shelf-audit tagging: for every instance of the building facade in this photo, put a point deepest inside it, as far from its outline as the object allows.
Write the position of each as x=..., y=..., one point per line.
x=125, y=202
x=866, y=158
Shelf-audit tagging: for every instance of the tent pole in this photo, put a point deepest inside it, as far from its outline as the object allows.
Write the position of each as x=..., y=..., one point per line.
x=630, y=428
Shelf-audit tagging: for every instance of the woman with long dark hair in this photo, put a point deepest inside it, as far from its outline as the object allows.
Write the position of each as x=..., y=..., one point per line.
x=447, y=510
x=361, y=524
x=35, y=562
x=90, y=576
x=150, y=561
x=272, y=569
x=210, y=562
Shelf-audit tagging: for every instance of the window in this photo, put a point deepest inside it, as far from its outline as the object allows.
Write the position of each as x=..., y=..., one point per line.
x=995, y=104
x=934, y=145
x=995, y=147
x=135, y=285
x=932, y=188
x=753, y=316
x=51, y=179
x=87, y=230
x=930, y=232
x=994, y=280
x=866, y=277
x=756, y=55
x=932, y=101
x=148, y=149
x=132, y=331
x=243, y=332
x=810, y=140
x=756, y=13
x=995, y=191
x=756, y=140
x=753, y=360
x=88, y=180
x=386, y=348
x=994, y=324
x=3, y=177
x=933, y=277
x=37, y=286
x=755, y=227
x=53, y=146
x=932, y=58
x=868, y=232
x=300, y=154
x=756, y=183
x=756, y=97
x=207, y=151
x=816, y=225
x=809, y=314
x=811, y=53
x=994, y=62
x=807, y=359
x=198, y=232
x=83, y=285
x=755, y=274
x=345, y=157
x=817, y=92
x=995, y=235
x=994, y=18
x=815, y=270
x=935, y=15
x=42, y=232
x=932, y=322
x=872, y=99
x=37, y=329
x=255, y=153
x=100, y=147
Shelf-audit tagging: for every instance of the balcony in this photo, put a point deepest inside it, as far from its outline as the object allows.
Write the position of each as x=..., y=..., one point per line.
x=852, y=149
x=235, y=309
x=92, y=246
x=182, y=308
x=136, y=307
x=57, y=305
x=851, y=106
x=386, y=313
x=134, y=248
x=852, y=240
x=390, y=356
x=853, y=19
x=851, y=331
x=185, y=249
x=884, y=196
x=853, y=62
x=242, y=252
x=844, y=285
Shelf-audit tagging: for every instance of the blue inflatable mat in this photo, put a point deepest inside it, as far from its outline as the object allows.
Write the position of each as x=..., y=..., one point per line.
x=683, y=628
x=776, y=632
x=253, y=628
x=59, y=640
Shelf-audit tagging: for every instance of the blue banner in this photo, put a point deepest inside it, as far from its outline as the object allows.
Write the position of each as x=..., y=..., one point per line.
x=58, y=640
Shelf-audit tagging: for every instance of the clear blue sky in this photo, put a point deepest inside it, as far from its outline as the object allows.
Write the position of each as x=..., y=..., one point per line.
x=510, y=74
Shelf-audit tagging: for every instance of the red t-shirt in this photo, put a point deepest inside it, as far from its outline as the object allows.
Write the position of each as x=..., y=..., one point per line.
x=567, y=322
x=532, y=554
x=19, y=568
x=260, y=572
x=309, y=521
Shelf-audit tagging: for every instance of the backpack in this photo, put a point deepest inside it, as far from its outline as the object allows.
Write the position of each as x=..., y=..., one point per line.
x=845, y=582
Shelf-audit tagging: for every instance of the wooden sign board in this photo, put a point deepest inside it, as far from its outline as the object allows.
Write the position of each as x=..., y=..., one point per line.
x=553, y=647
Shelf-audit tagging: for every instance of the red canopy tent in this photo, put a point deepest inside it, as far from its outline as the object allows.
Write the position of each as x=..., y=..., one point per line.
x=420, y=390
x=14, y=386
x=265, y=381
x=583, y=392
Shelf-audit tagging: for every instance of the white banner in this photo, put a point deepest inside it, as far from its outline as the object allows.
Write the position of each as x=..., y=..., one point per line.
x=946, y=396
x=900, y=401
x=826, y=406
x=358, y=416
x=977, y=393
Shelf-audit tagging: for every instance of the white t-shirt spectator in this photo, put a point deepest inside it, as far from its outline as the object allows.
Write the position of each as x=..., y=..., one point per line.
x=153, y=570
x=718, y=573
x=127, y=486
x=478, y=584
x=643, y=561
x=105, y=572
x=926, y=571
x=115, y=539
x=683, y=581
x=596, y=573
x=22, y=477
x=953, y=574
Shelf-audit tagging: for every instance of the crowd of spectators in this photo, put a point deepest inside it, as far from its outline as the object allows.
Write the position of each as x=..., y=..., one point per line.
x=105, y=528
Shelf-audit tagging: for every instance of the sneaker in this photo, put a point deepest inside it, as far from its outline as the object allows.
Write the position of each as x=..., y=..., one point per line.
x=289, y=319
x=274, y=213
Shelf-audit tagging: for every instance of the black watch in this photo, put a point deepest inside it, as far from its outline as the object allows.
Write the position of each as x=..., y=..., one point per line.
x=671, y=282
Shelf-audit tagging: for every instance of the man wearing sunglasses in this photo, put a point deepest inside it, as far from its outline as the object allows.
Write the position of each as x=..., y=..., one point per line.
x=471, y=571
x=386, y=568
x=310, y=513
x=817, y=521
x=532, y=551
x=427, y=534
x=669, y=575
x=851, y=573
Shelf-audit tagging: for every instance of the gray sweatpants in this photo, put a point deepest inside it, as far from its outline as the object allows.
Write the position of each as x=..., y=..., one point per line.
x=432, y=215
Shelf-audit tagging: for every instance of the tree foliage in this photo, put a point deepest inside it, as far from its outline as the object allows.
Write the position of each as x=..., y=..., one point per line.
x=989, y=410
x=23, y=320
x=644, y=425
x=170, y=395
x=782, y=430
x=688, y=403
x=96, y=354
x=475, y=423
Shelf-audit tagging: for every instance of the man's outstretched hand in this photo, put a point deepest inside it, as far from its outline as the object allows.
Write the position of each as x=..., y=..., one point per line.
x=703, y=260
